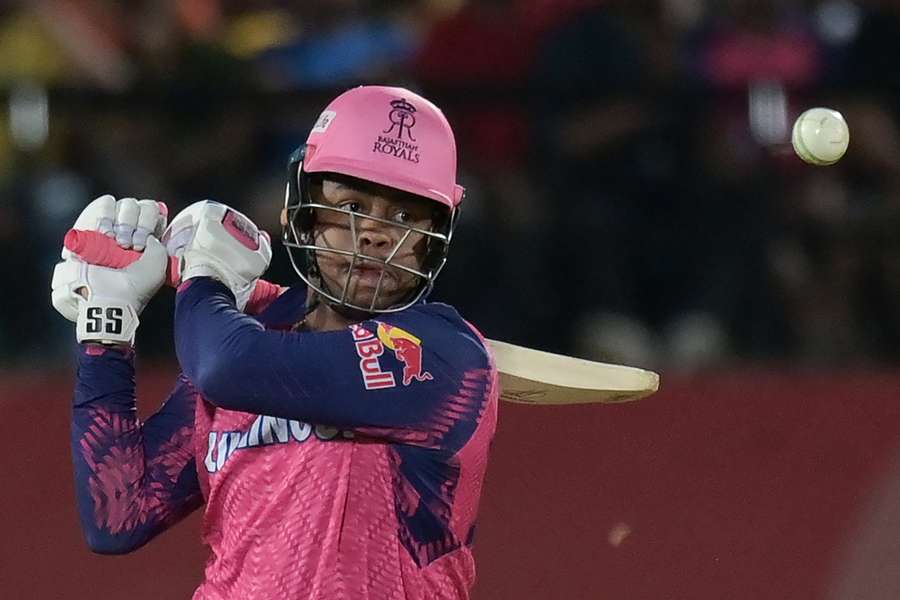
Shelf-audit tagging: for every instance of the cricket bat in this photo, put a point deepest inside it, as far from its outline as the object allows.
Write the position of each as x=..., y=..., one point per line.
x=527, y=376
x=530, y=376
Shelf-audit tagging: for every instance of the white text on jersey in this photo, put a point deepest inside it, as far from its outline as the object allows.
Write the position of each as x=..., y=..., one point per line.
x=264, y=431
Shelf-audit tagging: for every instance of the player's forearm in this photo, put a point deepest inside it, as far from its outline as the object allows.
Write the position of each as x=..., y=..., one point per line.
x=238, y=365
x=132, y=480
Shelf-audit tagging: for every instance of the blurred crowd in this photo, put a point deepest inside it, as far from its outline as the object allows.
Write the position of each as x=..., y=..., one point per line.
x=632, y=194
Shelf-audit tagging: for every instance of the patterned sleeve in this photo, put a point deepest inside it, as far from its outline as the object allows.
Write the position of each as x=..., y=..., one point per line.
x=133, y=480
x=421, y=376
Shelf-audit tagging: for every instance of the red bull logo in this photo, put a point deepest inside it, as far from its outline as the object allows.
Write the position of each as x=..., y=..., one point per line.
x=407, y=348
x=369, y=348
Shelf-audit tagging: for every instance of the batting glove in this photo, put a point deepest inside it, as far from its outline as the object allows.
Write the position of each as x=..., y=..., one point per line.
x=214, y=240
x=105, y=302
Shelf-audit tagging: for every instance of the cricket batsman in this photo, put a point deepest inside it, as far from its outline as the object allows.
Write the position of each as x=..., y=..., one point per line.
x=336, y=431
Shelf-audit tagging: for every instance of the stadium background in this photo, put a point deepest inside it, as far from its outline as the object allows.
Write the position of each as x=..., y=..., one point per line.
x=631, y=198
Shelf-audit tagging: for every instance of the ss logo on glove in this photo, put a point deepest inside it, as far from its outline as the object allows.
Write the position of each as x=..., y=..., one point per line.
x=111, y=325
x=106, y=322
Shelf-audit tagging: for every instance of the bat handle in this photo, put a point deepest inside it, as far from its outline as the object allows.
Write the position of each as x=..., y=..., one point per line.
x=98, y=249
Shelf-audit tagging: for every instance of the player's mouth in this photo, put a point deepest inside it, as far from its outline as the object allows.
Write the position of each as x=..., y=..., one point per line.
x=370, y=275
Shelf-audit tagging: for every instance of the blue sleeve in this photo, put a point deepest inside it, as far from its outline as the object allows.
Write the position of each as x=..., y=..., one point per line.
x=133, y=480
x=421, y=376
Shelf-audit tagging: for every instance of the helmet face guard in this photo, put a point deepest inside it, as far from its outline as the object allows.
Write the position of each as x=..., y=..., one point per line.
x=298, y=236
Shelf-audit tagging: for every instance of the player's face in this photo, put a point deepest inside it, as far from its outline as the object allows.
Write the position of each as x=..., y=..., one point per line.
x=375, y=239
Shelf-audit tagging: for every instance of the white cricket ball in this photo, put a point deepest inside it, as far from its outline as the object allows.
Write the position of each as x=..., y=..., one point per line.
x=820, y=136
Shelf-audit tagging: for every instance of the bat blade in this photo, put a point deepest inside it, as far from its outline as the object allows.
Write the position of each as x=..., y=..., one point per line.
x=530, y=376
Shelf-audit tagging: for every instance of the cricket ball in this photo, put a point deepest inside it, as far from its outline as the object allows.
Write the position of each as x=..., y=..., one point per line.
x=820, y=136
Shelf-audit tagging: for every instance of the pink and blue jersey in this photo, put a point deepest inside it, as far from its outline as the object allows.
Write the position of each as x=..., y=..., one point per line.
x=344, y=464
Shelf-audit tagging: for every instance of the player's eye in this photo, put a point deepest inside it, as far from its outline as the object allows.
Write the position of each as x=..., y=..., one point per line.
x=403, y=216
x=352, y=206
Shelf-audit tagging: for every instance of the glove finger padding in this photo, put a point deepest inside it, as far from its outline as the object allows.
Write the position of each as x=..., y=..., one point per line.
x=217, y=241
x=127, y=213
x=180, y=231
x=179, y=234
x=128, y=221
x=99, y=215
x=151, y=221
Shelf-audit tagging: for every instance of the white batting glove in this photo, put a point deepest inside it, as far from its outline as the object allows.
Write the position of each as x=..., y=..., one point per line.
x=214, y=240
x=105, y=302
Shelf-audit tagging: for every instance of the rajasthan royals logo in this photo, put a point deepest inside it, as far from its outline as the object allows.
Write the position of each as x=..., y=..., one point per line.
x=403, y=118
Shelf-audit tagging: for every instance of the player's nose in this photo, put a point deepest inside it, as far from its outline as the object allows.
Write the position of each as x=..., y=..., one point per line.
x=374, y=236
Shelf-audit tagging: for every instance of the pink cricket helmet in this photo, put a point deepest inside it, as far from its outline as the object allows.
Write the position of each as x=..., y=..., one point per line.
x=388, y=135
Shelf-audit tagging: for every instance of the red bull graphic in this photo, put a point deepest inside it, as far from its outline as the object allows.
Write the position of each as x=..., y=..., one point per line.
x=369, y=348
x=408, y=350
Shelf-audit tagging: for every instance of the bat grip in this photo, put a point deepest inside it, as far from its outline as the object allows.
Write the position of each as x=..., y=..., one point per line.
x=98, y=249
